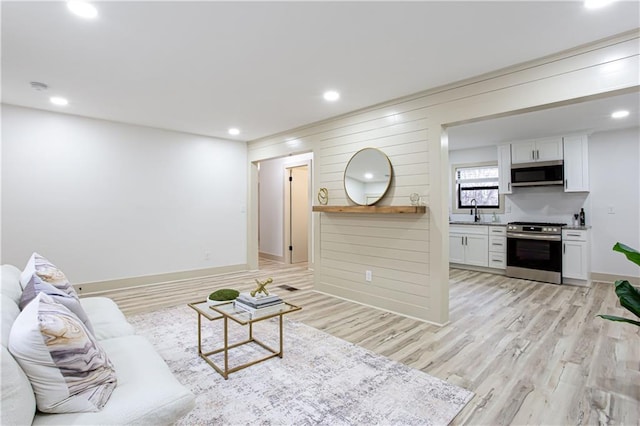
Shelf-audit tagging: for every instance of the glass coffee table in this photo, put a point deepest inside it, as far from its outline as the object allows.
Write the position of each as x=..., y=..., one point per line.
x=227, y=311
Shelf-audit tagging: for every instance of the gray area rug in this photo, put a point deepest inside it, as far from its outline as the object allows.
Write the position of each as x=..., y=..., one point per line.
x=320, y=380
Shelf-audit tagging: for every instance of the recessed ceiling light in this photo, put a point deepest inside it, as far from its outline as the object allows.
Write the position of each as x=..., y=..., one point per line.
x=331, y=95
x=82, y=9
x=596, y=4
x=57, y=100
x=233, y=131
x=620, y=114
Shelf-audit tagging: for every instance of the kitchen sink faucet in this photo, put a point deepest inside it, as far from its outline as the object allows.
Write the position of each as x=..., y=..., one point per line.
x=474, y=211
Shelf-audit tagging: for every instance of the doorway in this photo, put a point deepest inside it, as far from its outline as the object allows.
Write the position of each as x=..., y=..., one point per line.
x=273, y=210
x=296, y=214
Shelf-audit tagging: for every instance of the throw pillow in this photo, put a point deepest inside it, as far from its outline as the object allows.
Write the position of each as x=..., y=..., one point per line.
x=68, y=370
x=40, y=275
x=36, y=286
x=48, y=272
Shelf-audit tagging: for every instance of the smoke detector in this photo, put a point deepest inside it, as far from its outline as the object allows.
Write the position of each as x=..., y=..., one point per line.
x=40, y=87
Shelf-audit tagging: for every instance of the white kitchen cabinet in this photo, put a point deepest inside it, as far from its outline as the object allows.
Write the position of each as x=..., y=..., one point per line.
x=468, y=245
x=504, y=169
x=549, y=149
x=576, y=164
x=498, y=247
x=575, y=256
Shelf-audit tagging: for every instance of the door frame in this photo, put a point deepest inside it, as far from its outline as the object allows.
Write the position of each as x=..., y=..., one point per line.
x=286, y=216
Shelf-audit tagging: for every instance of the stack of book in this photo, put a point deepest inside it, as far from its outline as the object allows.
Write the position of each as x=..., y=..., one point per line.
x=259, y=305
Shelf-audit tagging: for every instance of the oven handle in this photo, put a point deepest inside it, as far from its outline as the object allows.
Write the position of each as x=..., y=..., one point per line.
x=534, y=237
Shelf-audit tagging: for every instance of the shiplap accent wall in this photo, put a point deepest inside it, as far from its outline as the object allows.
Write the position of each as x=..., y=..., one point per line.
x=407, y=254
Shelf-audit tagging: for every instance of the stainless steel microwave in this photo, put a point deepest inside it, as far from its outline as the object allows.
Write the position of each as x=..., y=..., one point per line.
x=537, y=174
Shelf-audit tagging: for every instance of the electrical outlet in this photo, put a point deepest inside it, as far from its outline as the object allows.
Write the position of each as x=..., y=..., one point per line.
x=207, y=255
x=611, y=210
x=367, y=276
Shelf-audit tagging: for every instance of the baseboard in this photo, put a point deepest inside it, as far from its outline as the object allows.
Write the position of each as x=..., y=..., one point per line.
x=494, y=271
x=271, y=257
x=611, y=278
x=382, y=309
x=90, y=288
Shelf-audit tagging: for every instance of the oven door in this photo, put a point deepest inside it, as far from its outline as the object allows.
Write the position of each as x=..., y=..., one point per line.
x=535, y=257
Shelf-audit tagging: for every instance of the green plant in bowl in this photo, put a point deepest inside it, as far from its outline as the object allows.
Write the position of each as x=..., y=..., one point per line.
x=224, y=295
x=629, y=295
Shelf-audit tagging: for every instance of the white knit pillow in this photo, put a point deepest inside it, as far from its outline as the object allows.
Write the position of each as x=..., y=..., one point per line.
x=68, y=370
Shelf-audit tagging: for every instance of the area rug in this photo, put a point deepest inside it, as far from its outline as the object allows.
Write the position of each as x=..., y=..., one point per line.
x=321, y=379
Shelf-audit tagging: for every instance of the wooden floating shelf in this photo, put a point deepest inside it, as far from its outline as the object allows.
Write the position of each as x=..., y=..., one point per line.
x=372, y=209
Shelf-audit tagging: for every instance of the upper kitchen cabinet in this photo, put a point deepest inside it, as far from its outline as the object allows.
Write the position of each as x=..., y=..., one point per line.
x=548, y=149
x=576, y=164
x=504, y=169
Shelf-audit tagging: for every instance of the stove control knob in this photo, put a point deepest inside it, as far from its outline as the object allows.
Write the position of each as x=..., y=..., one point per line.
x=545, y=229
x=555, y=229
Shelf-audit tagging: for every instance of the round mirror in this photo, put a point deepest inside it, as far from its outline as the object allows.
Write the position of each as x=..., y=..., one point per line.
x=367, y=176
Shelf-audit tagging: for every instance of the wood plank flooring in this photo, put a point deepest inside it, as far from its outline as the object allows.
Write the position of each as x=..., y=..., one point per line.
x=533, y=353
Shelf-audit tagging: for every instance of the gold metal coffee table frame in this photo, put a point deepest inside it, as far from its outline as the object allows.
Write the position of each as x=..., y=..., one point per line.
x=227, y=311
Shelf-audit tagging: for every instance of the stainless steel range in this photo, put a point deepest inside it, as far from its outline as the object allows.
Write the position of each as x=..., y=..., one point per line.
x=534, y=251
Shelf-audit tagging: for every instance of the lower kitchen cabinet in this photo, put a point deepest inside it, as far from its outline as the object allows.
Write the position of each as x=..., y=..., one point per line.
x=575, y=256
x=468, y=245
x=498, y=247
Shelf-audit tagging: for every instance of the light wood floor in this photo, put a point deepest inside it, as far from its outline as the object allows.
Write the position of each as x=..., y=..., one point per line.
x=533, y=353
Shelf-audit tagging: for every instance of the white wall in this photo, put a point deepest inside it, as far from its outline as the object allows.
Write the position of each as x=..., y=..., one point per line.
x=272, y=181
x=614, y=176
x=106, y=200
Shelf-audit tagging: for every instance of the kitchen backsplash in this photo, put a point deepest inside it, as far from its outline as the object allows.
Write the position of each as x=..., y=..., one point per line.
x=537, y=204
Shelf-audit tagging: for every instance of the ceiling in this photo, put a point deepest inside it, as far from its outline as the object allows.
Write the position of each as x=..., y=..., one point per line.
x=203, y=67
x=584, y=117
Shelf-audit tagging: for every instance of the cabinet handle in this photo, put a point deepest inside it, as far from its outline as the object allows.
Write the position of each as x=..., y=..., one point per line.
x=533, y=154
x=496, y=244
x=564, y=248
x=509, y=186
x=566, y=183
x=462, y=240
x=573, y=235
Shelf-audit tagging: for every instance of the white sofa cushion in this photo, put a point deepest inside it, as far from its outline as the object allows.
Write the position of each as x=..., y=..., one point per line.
x=10, y=285
x=147, y=392
x=9, y=312
x=107, y=319
x=68, y=370
x=18, y=402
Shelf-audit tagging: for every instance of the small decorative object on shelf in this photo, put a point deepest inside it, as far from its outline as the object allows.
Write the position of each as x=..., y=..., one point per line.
x=222, y=296
x=415, y=199
x=323, y=196
x=262, y=287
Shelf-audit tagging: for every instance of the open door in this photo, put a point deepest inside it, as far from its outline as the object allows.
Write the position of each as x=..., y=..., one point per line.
x=297, y=213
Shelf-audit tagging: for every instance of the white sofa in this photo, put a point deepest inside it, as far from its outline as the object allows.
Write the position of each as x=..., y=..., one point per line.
x=146, y=391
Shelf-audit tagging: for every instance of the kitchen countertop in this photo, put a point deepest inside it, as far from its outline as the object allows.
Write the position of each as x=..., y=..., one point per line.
x=461, y=222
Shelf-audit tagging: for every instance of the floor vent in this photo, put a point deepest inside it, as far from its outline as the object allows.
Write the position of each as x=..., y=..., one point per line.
x=288, y=287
